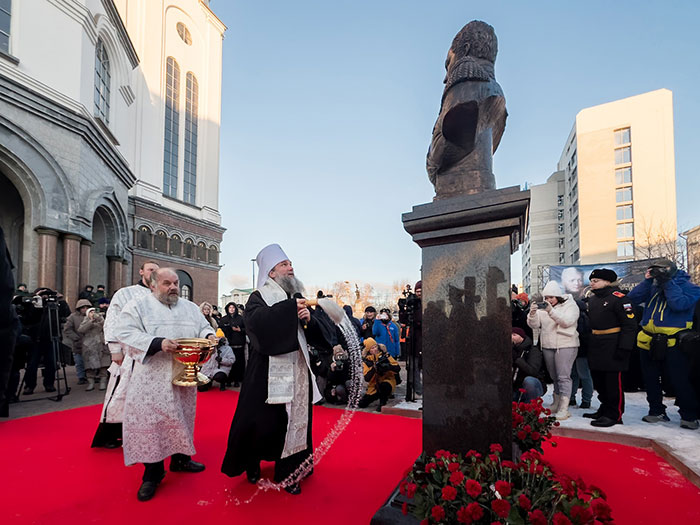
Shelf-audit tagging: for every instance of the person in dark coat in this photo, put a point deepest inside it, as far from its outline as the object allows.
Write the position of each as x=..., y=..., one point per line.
x=613, y=334
x=279, y=326
x=9, y=322
x=233, y=326
x=354, y=320
x=527, y=367
x=367, y=322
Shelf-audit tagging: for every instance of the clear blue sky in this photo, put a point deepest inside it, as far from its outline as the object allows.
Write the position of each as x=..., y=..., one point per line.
x=328, y=108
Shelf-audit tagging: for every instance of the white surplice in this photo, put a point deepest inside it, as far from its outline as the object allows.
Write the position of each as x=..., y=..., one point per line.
x=158, y=416
x=113, y=407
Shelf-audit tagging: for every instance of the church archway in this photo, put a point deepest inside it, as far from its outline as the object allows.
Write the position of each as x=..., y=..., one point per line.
x=186, y=288
x=12, y=222
x=105, y=238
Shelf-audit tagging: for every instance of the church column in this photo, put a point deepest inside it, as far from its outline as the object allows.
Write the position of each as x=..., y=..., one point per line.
x=115, y=274
x=126, y=278
x=85, y=247
x=71, y=268
x=46, y=274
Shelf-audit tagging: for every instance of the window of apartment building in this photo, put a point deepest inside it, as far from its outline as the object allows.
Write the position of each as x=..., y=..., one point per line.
x=5, y=19
x=574, y=223
x=191, y=112
x=622, y=136
x=560, y=214
x=623, y=176
x=575, y=256
x=625, y=230
x=623, y=194
x=562, y=257
x=624, y=212
x=172, y=127
x=561, y=242
x=623, y=155
x=560, y=200
x=625, y=249
x=102, y=81
x=560, y=228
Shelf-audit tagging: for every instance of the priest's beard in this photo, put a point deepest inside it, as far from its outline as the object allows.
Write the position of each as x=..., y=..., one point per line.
x=290, y=284
x=167, y=299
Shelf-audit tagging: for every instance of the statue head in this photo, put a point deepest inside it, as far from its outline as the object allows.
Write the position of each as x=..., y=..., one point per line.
x=478, y=40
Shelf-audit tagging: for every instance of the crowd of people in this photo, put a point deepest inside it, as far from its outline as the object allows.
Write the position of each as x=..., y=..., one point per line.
x=595, y=341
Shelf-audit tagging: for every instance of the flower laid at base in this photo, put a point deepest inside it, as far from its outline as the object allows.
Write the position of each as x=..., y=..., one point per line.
x=449, y=488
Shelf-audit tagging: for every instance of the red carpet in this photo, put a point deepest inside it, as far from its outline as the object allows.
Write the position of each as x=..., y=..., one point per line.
x=52, y=476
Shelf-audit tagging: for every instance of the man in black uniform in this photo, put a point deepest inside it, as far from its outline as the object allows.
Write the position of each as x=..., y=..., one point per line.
x=614, y=331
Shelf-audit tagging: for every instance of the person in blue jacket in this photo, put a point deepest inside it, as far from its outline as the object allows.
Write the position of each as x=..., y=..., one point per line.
x=669, y=300
x=385, y=332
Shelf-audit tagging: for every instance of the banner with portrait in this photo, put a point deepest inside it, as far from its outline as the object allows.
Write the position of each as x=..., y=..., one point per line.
x=575, y=279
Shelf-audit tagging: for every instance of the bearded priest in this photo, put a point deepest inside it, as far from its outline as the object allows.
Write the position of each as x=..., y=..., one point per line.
x=159, y=416
x=273, y=417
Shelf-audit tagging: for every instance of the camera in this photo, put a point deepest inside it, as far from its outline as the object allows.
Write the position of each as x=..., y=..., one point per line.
x=542, y=305
x=383, y=365
x=341, y=363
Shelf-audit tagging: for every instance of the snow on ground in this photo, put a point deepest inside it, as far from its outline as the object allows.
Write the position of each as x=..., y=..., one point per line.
x=685, y=444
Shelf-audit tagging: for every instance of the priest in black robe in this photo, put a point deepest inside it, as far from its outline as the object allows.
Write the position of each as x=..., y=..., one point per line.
x=272, y=421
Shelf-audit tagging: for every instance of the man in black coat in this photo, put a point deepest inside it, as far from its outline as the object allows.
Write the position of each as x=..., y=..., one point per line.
x=233, y=326
x=613, y=335
x=273, y=417
x=527, y=367
x=9, y=323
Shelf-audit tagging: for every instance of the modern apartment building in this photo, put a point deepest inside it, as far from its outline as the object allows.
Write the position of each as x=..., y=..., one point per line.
x=619, y=194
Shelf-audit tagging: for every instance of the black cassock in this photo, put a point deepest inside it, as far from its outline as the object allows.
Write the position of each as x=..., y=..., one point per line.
x=258, y=429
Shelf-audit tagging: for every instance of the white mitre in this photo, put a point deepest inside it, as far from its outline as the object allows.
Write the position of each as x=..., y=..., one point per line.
x=269, y=257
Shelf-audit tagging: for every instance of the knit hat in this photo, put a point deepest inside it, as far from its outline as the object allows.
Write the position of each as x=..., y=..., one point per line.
x=370, y=309
x=603, y=273
x=519, y=331
x=103, y=300
x=81, y=303
x=552, y=289
x=419, y=285
x=369, y=343
x=219, y=332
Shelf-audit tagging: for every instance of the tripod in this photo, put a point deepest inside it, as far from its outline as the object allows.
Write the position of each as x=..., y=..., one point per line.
x=58, y=357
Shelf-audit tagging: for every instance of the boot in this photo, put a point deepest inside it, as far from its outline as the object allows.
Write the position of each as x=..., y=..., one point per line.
x=103, y=383
x=555, y=403
x=91, y=384
x=563, y=412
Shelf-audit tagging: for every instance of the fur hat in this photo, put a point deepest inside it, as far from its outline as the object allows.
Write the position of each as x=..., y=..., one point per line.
x=81, y=303
x=603, y=273
x=519, y=331
x=552, y=289
x=369, y=343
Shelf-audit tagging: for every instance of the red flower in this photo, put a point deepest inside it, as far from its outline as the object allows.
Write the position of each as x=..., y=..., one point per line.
x=535, y=435
x=426, y=521
x=524, y=502
x=495, y=447
x=456, y=478
x=581, y=514
x=438, y=513
x=442, y=454
x=560, y=519
x=503, y=488
x=410, y=490
x=470, y=513
x=449, y=493
x=508, y=464
x=429, y=467
x=601, y=509
x=473, y=488
x=537, y=517
x=493, y=458
x=402, y=487
x=501, y=507
x=453, y=467
x=527, y=428
x=404, y=509
x=521, y=435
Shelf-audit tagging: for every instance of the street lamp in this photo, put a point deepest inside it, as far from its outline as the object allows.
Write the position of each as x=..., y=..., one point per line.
x=253, y=261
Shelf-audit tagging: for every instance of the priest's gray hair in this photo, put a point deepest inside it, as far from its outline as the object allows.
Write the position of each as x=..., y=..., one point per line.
x=156, y=275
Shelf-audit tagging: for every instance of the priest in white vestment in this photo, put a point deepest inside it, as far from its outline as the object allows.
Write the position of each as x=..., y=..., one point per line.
x=159, y=416
x=109, y=430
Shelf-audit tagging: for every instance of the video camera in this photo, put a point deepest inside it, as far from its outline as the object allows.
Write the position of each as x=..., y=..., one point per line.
x=663, y=271
x=408, y=304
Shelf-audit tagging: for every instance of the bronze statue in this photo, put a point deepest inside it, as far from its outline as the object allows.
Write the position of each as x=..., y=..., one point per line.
x=472, y=116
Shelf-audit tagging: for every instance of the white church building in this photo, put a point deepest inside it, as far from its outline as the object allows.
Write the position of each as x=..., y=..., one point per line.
x=109, y=141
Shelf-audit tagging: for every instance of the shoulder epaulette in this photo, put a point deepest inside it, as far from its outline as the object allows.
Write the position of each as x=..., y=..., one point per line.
x=618, y=294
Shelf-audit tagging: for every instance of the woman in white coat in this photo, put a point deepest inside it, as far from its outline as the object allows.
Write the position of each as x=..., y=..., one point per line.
x=557, y=319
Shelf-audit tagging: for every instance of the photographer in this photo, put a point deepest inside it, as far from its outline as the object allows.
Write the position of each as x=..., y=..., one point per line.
x=219, y=364
x=43, y=303
x=669, y=304
x=74, y=338
x=9, y=322
x=386, y=332
x=337, y=386
x=96, y=357
x=411, y=315
x=380, y=370
x=367, y=322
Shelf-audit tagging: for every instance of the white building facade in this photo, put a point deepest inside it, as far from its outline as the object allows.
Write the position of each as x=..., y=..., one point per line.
x=83, y=149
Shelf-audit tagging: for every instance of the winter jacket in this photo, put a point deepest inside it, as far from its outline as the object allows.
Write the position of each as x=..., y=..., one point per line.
x=373, y=378
x=527, y=361
x=558, y=326
x=668, y=308
x=71, y=336
x=221, y=360
x=388, y=335
x=95, y=351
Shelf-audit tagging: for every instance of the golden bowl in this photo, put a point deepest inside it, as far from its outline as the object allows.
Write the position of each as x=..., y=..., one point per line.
x=192, y=353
